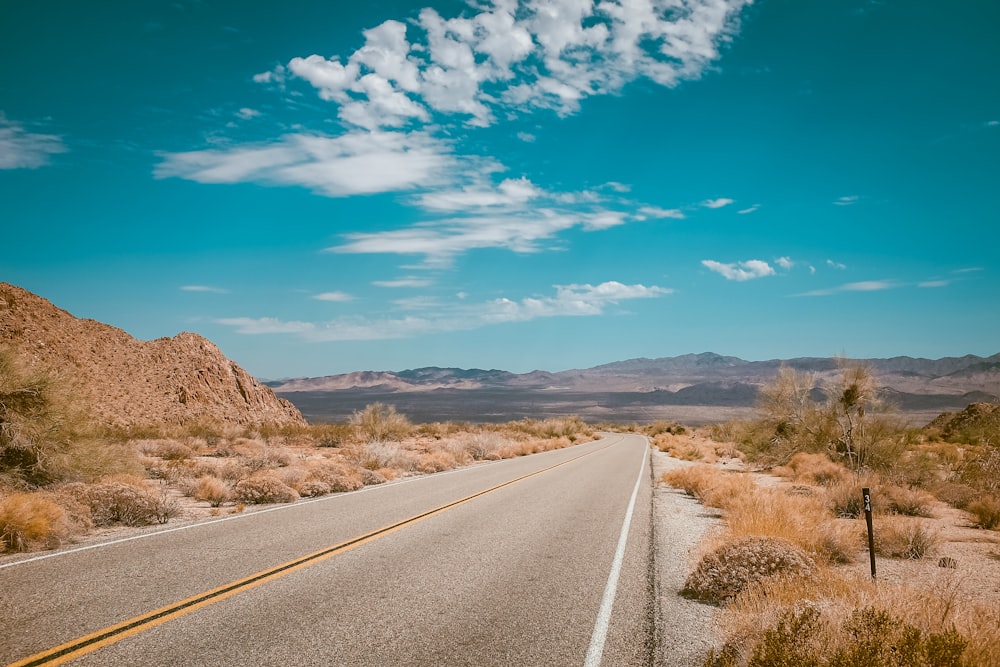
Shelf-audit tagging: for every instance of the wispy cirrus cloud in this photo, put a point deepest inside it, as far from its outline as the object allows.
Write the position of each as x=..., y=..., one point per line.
x=717, y=203
x=333, y=297
x=350, y=164
x=740, y=271
x=862, y=286
x=847, y=201
x=21, y=149
x=409, y=281
x=433, y=317
x=204, y=288
x=749, y=209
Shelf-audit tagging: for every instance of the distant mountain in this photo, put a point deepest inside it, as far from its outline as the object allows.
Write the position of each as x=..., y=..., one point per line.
x=635, y=388
x=124, y=381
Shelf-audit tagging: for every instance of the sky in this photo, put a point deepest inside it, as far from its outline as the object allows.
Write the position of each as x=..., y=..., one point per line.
x=326, y=187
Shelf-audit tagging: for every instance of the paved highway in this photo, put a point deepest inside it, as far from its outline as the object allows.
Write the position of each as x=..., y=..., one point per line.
x=541, y=560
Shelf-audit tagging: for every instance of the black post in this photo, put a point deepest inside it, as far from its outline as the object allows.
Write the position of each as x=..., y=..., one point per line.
x=867, y=495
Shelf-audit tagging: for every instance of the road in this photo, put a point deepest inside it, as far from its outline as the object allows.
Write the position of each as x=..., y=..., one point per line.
x=518, y=562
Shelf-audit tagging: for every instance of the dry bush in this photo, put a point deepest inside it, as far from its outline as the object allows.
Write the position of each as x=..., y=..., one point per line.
x=800, y=519
x=869, y=637
x=311, y=488
x=436, y=461
x=337, y=476
x=687, y=449
x=374, y=477
x=711, y=486
x=908, y=502
x=32, y=521
x=815, y=469
x=122, y=503
x=986, y=510
x=379, y=422
x=932, y=611
x=730, y=568
x=212, y=490
x=166, y=449
x=954, y=493
x=486, y=445
x=899, y=537
x=378, y=454
x=263, y=489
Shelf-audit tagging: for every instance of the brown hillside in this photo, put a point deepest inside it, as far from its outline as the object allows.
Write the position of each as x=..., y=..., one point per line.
x=125, y=381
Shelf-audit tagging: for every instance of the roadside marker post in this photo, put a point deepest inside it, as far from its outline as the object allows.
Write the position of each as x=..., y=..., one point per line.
x=866, y=494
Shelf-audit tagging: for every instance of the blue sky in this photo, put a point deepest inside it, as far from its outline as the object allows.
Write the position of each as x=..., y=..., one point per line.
x=329, y=187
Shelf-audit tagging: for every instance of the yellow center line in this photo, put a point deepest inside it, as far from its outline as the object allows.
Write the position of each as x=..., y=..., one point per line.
x=112, y=634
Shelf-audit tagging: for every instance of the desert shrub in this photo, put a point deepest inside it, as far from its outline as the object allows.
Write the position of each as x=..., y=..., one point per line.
x=908, y=502
x=31, y=521
x=729, y=569
x=982, y=470
x=312, y=488
x=709, y=485
x=986, y=510
x=898, y=537
x=121, y=503
x=336, y=476
x=168, y=450
x=373, y=477
x=380, y=422
x=263, y=489
x=813, y=469
x=437, y=461
x=378, y=454
x=869, y=637
x=45, y=433
x=485, y=445
x=331, y=435
x=212, y=490
x=955, y=494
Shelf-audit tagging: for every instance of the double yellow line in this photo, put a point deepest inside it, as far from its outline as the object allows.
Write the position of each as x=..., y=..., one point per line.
x=89, y=643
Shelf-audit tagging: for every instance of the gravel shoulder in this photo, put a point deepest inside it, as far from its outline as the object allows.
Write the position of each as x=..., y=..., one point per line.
x=686, y=628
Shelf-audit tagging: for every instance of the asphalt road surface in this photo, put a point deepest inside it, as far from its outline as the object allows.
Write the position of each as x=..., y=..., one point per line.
x=540, y=560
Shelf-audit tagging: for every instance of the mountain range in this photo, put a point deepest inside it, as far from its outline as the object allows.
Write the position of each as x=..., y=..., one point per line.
x=718, y=386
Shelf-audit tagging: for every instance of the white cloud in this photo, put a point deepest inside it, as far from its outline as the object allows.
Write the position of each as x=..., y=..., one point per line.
x=659, y=213
x=527, y=137
x=518, y=55
x=863, y=286
x=740, y=271
x=568, y=301
x=20, y=149
x=411, y=281
x=509, y=193
x=355, y=163
x=993, y=123
x=717, y=203
x=835, y=265
x=246, y=113
x=785, y=262
x=847, y=201
x=335, y=297
x=751, y=209
x=204, y=288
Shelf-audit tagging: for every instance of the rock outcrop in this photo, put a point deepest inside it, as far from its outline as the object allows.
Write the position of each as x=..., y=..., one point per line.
x=124, y=381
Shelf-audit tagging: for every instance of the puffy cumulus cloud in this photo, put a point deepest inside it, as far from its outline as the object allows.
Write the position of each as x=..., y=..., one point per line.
x=436, y=317
x=510, y=192
x=21, y=149
x=516, y=55
x=740, y=271
x=785, y=262
x=350, y=164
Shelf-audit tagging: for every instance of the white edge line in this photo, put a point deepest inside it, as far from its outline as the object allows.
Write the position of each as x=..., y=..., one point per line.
x=596, y=649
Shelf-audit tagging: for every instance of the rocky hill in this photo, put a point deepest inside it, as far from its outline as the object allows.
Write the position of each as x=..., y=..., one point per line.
x=125, y=381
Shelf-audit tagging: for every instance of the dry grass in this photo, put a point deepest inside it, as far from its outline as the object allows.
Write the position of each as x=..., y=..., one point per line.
x=836, y=598
x=32, y=521
x=262, y=489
